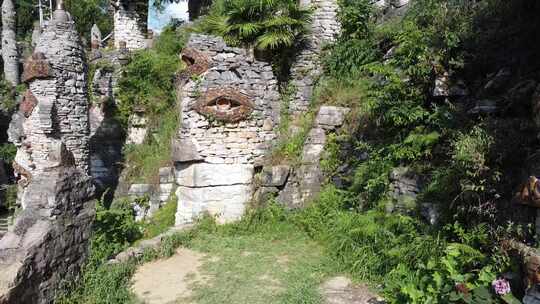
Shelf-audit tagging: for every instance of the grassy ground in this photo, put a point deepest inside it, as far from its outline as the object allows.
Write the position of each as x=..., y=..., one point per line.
x=279, y=266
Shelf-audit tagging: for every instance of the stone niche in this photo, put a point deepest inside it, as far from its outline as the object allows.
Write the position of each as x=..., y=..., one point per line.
x=229, y=114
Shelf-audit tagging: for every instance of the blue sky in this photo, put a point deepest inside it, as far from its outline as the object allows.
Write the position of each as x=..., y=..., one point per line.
x=157, y=20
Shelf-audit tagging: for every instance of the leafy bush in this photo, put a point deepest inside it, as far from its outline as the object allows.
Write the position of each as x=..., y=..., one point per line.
x=266, y=24
x=161, y=220
x=147, y=83
x=114, y=229
x=355, y=17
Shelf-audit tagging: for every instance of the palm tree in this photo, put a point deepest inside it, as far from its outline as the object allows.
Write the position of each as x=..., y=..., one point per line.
x=265, y=24
x=10, y=54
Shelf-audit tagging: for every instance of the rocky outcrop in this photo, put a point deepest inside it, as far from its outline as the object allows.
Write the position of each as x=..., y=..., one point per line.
x=306, y=180
x=49, y=241
x=307, y=67
x=130, y=24
x=229, y=113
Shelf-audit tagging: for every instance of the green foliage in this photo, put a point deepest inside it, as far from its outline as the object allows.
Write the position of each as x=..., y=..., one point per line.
x=346, y=59
x=7, y=97
x=7, y=152
x=170, y=41
x=161, y=220
x=147, y=83
x=266, y=24
x=355, y=16
x=114, y=229
x=145, y=160
x=86, y=13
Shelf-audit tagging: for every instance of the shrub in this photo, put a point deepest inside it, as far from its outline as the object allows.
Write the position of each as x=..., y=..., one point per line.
x=162, y=219
x=266, y=24
x=147, y=83
x=114, y=229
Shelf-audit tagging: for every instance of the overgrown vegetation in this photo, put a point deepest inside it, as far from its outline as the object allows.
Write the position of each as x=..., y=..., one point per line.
x=147, y=83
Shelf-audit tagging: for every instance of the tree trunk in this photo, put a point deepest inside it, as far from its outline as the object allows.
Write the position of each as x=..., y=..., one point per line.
x=10, y=54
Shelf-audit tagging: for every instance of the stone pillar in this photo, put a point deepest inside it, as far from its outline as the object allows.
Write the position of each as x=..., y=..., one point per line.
x=95, y=37
x=10, y=53
x=307, y=68
x=49, y=242
x=228, y=121
x=130, y=23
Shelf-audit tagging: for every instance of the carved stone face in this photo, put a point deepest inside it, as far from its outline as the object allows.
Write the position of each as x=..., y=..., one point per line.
x=197, y=62
x=226, y=105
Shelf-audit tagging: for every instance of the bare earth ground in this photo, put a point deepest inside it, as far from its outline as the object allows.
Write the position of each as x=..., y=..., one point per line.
x=167, y=281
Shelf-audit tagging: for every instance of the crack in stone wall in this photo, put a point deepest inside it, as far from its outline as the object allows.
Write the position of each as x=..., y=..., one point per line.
x=215, y=156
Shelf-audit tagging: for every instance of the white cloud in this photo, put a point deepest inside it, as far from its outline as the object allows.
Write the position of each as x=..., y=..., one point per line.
x=157, y=20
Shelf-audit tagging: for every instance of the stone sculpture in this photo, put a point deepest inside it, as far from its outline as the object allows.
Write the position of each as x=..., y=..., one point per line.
x=228, y=113
x=49, y=240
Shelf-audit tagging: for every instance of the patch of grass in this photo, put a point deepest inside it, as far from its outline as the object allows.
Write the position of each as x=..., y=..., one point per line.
x=143, y=161
x=279, y=265
x=161, y=220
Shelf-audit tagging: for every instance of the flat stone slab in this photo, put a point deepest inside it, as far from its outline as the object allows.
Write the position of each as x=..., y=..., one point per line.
x=340, y=290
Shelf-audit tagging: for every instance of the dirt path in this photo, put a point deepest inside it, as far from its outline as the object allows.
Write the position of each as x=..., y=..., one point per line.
x=167, y=281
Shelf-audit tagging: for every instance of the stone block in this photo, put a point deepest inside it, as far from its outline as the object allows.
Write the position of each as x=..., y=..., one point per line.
x=226, y=203
x=210, y=175
x=36, y=67
x=330, y=117
x=166, y=175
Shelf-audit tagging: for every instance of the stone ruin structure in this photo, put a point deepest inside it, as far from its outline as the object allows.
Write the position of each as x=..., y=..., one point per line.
x=307, y=67
x=48, y=242
x=229, y=113
x=130, y=23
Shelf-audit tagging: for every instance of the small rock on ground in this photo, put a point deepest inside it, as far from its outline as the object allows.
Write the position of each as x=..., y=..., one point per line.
x=340, y=290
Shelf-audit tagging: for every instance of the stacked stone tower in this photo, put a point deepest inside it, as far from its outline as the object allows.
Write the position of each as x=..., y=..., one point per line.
x=130, y=23
x=49, y=241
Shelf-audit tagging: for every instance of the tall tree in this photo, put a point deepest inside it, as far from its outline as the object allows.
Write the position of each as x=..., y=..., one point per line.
x=10, y=54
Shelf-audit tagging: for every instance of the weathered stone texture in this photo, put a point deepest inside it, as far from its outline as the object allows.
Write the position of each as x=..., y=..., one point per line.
x=306, y=180
x=49, y=241
x=307, y=67
x=130, y=24
x=61, y=112
x=228, y=121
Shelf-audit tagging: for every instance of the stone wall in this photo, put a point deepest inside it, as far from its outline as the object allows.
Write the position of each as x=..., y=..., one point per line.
x=229, y=113
x=296, y=187
x=307, y=67
x=130, y=23
x=49, y=240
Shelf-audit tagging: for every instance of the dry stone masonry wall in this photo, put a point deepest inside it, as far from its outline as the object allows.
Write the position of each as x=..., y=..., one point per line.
x=229, y=113
x=307, y=68
x=130, y=24
x=49, y=240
